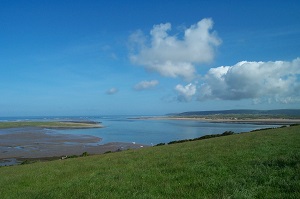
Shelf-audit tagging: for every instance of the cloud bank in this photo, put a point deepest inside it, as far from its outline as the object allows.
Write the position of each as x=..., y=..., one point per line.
x=171, y=56
x=277, y=81
x=145, y=85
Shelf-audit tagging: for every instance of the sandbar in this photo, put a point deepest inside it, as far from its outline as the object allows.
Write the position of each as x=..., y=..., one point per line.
x=51, y=124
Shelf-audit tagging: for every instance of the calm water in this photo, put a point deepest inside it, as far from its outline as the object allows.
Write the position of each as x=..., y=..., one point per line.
x=122, y=129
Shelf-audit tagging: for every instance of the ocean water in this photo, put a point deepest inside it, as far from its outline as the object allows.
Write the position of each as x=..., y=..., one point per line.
x=148, y=132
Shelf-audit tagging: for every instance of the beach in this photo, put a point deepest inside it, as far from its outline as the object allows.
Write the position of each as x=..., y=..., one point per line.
x=273, y=121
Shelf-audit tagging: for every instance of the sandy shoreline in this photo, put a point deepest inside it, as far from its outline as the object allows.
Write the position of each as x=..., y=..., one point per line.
x=240, y=121
x=51, y=124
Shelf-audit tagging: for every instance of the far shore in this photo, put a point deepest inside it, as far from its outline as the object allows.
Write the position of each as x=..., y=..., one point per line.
x=50, y=124
x=273, y=121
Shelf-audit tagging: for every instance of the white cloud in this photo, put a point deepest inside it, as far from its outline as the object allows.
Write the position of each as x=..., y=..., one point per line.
x=172, y=56
x=144, y=85
x=185, y=93
x=278, y=81
x=112, y=91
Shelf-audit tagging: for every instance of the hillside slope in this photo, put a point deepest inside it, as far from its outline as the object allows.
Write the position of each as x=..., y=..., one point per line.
x=276, y=112
x=262, y=164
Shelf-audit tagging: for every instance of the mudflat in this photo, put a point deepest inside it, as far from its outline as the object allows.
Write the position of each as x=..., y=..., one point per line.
x=40, y=143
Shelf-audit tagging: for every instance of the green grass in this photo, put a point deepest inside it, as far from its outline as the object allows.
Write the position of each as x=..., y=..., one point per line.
x=262, y=164
x=46, y=124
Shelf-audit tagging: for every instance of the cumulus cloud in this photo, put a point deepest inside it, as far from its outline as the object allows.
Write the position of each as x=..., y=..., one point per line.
x=144, y=85
x=112, y=91
x=185, y=93
x=276, y=81
x=172, y=56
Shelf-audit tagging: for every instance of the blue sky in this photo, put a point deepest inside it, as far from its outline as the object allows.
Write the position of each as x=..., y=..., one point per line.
x=147, y=57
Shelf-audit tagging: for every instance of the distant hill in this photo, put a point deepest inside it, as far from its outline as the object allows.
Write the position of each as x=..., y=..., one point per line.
x=284, y=112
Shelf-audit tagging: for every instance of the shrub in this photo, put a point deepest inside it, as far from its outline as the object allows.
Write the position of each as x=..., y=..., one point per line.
x=227, y=133
x=160, y=144
x=28, y=162
x=84, y=154
x=73, y=156
x=203, y=137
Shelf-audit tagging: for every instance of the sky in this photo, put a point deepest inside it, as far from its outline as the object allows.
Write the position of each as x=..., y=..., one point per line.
x=60, y=58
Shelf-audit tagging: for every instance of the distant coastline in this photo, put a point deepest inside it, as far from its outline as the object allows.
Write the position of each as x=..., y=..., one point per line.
x=275, y=121
x=239, y=116
x=50, y=124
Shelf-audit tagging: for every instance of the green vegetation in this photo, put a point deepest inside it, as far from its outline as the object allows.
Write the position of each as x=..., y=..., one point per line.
x=84, y=154
x=201, y=138
x=242, y=114
x=48, y=124
x=260, y=164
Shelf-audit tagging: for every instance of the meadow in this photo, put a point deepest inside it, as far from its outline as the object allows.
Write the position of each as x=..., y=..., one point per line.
x=260, y=164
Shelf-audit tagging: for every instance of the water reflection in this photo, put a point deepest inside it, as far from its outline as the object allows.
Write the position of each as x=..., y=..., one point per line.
x=121, y=129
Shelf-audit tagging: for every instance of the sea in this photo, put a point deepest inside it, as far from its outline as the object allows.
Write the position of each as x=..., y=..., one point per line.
x=129, y=128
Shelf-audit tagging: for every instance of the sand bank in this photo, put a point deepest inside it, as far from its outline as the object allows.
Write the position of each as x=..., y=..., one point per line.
x=51, y=124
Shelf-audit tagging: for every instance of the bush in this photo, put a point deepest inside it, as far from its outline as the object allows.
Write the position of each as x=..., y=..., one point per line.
x=73, y=156
x=227, y=133
x=84, y=154
x=203, y=137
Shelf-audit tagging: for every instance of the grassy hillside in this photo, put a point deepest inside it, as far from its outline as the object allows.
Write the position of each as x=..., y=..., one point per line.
x=262, y=164
x=243, y=114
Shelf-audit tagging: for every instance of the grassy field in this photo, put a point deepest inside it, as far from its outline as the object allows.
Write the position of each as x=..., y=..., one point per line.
x=261, y=164
x=47, y=124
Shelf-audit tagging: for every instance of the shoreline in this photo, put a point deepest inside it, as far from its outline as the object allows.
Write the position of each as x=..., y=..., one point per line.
x=51, y=124
x=41, y=142
x=273, y=121
x=62, y=152
x=38, y=145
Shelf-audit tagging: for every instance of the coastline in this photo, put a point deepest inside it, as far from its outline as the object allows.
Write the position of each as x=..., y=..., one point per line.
x=41, y=142
x=38, y=145
x=51, y=124
x=27, y=140
x=273, y=121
